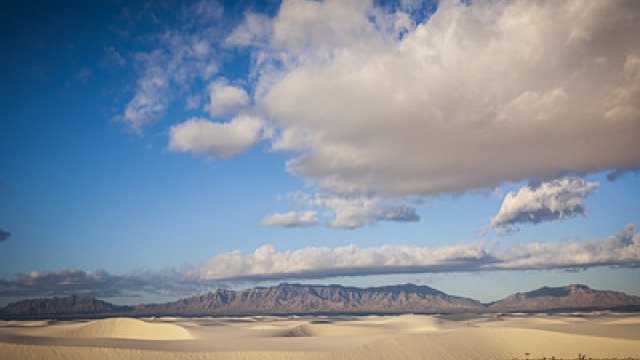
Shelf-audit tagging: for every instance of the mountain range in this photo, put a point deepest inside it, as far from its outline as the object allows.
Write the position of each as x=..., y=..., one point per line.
x=328, y=299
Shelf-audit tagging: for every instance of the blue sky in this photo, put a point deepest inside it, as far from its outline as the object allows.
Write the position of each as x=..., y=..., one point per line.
x=176, y=140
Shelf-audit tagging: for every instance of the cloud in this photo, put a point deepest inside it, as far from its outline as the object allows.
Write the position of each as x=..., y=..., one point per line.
x=267, y=263
x=222, y=140
x=183, y=57
x=621, y=248
x=476, y=95
x=292, y=219
x=100, y=283
x=351, y=213
x=253, y=31
x=553, y=200
x=354, y=212
x=226, y=98
x=4, y=235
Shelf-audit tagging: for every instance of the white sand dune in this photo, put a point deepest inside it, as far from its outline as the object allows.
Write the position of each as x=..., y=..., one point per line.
x=24, y=323
x=359, y=338
x=125, y=328
x=632, y=320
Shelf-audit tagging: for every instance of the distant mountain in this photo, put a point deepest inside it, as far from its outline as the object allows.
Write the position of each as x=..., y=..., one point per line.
x=572, y=297
x=61, y=307
x=301, y=299
x=320, y=299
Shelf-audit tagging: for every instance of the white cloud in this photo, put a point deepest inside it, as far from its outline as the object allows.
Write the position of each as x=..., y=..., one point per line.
x=225, y=98
x=354, y=212
x=222, y=140
x=351, y=213
x=621, y=248
x=151, y=98
x=292, y=219
x=253, y=31
x=552, y=200
x=183, y=57
x=477, y=95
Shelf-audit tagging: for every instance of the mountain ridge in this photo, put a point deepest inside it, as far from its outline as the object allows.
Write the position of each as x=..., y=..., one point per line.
x=328, y=299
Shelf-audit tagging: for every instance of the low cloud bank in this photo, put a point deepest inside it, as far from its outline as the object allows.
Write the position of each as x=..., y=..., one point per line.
x=267, y=263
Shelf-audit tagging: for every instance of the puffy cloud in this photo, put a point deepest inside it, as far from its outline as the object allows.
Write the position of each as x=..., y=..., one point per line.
x=476, y=95
x=222, y=140
x=4, y=235
x=552, y=200
x=225, y=98
x=292, y=219
x=621, y=248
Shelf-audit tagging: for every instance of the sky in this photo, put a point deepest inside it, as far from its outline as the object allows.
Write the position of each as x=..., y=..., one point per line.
x=151, y=150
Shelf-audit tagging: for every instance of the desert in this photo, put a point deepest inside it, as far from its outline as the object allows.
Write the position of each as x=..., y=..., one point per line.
x=598, y=335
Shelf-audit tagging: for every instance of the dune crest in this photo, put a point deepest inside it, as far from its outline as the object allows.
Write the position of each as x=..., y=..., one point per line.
x=126, y=328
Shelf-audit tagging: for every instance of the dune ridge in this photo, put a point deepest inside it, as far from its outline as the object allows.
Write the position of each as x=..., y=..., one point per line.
x=599, y=336
x=125, y=328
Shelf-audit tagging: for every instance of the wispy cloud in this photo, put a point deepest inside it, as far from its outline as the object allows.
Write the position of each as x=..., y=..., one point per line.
x=552, y=200
x=184, y=57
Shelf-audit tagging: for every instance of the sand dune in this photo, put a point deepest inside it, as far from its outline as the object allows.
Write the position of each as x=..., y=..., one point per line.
x=124, y=328
x=632, y=320
x=353, y=338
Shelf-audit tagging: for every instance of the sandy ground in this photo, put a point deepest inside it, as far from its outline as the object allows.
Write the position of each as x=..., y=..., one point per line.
x=495, y=337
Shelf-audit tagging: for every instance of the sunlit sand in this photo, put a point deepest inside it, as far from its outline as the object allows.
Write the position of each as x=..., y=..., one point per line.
x=597, y=335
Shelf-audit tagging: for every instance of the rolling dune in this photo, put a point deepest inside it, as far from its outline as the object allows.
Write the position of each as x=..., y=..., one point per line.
x=124, y=328
x=354, y=338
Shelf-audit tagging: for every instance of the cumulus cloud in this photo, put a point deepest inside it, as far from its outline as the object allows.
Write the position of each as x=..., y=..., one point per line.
x=4, y=235
x=621, y=248
x=476, y=95
x=292, y=219
x=225, y=98
x=552, y=200
x=221, y=140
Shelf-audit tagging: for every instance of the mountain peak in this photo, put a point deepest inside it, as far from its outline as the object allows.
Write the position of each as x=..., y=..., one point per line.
x=292, y=298
x=574, y=296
